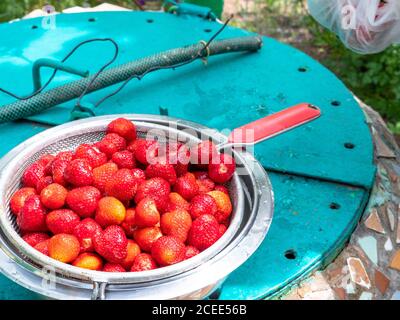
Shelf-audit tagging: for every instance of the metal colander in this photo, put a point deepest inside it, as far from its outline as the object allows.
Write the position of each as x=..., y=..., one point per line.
x=252, y=213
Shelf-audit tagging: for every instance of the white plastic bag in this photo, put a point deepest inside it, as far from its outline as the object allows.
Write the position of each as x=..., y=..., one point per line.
x=364, y=26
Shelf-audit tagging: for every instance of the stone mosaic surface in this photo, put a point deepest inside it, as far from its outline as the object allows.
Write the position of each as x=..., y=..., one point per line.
x=369, y=266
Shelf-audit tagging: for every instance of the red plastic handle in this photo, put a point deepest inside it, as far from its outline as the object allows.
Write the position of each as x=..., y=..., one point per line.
x=274, y=124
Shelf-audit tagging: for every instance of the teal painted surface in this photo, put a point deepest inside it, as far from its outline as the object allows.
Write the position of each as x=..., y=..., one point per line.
x=228, y=92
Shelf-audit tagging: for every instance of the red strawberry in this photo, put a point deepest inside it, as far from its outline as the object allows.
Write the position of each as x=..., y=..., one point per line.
x=202, y=204
x=33, y=174
x=124, y=159
x=122, y=185
x=32, y=216
x=129, y=223
x=139, y=175
x=190, y=252
x=43, y=247
x=102, y=174
x=143, y=262
x=113, y=267
x=178, y=155
x=44, y=182
x=53, y=196
x=122, y=127
x=86, y=230
x=204, y=232
x=223, y=170
x=35, y=237
x=133, y=251
x=222, y=229
x=64, y=155
x=111, y=143
x=145, y=237
x=91, y=154
x=204, y=182
x=176, y=223
x=112, y=244
x=46, y=159
x=221, y=188
x=168, y=250
x=186, y=186
x=224, y=205
x=79, y=173
x=84, y=200
x=203, y=153
x=176, y=201
x=163, y=170
x=62, y=221
x=157, y=189
x=145, y=151
x=19, y=197
x=146, y=214
x=58, y=169
x=89, y=261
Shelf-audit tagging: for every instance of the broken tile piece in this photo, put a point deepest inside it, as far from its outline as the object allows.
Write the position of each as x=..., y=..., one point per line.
x=366, y=296
x=390, y=215
x=382, y=150
x=340, y=292
x=395, y=262
x=373, y=222
x=396, y=296
x=398, y=231
x=381, y=281
x=368, y=245
x=358, y=273
x=388, y=245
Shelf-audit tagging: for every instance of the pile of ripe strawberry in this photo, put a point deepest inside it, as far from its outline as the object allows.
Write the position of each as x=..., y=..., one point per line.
x=123, y=205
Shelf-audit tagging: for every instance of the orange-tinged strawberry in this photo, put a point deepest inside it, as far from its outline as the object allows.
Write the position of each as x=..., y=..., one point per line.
x=204, y=232
x=124, y=159
x=62, y=221
x=102, y=174
x=32, y=216
x=221, y=188
x=122, y=185
x=190, y=252
x=91, y=154
x=163, y=170
x=84, y=200
x=145, y=151
x=113, y=267
x=129, y=223
x=86, y=230
x=33, y=174
x=203, y=204
x=176, y=223
x=203, y=153
x=224, y=205
x=43, y=183
x=19, y=197
x=43, y=247
x=89, y=261
x=123, y=127
x=168, y=250
x=64, y=247
x=53, y=196
x=147, y=214
x=186, y=186
x=34, y=238
x=111, y=143
x=110, y=211
x=58, y=169
x=145, y=237
x=176, y=201
x=157, y=189
x=112, y=244
x=133, y=250
x=223, y=169
x=79, y=173
x=143, y=262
